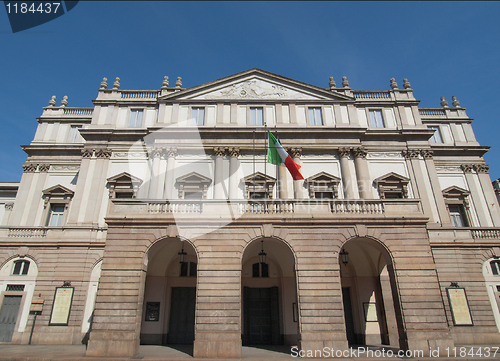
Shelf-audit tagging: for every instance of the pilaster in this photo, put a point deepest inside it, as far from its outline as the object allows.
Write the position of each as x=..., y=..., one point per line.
x=298, y=185
x=347, y=178
x=362, y=173
x=444, y=215
x=219, y=153
x=234, y=165
x=169, y=190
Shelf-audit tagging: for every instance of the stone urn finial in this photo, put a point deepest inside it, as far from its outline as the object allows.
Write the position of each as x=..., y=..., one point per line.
x=104, y=83
x=116, y=84
x=455, y=102
x=178, y=83
x=165, y=82
x=444, y=103
x=406, y=84
x=345, y=82
x=64, y=101
x=332, y=83
x=394, y=85
x=52, y=101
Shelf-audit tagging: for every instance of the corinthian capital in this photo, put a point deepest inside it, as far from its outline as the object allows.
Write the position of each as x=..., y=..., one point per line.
x=481, y=168
x=411, y=153
x=344, y=152
x=467, y=168
x=29, y=167
x=427, y=153
x=296, y=152
x=219, y=151
x=172, y=152
x=234, y=152
x=360, y=152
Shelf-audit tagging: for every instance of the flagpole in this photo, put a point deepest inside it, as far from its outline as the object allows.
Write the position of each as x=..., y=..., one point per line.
x=265, y=159
x=253, y=179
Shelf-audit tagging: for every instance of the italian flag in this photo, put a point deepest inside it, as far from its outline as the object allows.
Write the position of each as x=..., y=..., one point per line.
x=277, y=155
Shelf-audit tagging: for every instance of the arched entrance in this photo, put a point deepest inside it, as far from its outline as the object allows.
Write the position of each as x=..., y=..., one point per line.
x=269, y=294
x=170, y=294
x=371, y=304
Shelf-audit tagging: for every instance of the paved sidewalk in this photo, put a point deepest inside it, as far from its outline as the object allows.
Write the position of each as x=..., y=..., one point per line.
x=181, y=353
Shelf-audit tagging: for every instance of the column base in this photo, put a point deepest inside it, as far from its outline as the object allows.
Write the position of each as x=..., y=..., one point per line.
x=112, y=343
x=217, y=345
x=320, y=340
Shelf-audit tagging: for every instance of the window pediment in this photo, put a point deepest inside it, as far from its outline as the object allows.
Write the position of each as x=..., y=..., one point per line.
x=322, y=184
x=123, y=185
x=193, y=185
x=259, y=185
x=58, y=191
x=456, y=195
x=392, y=185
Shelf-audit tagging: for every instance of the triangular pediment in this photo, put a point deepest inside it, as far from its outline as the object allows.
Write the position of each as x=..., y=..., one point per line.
x=194, y=177
x=58, y=191
x=124, y=177
x=323, y=177
x=392, y=178
x=256, y=84
x=455, y=191
x=259, y=177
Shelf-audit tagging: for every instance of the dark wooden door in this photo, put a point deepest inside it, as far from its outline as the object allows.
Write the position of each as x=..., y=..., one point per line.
x=261, y=316
x=182, y=309
x=8, y=317
x=349, y=320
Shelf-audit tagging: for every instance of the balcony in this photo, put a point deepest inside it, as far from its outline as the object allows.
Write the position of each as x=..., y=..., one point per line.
x=464, y=235
x=208, y=209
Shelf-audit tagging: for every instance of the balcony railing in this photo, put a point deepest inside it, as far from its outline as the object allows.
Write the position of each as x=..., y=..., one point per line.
x=372, y=94
x=27, y=232
x=139, y=94
x=236, y=208
x=432, y=112
x=78, y=111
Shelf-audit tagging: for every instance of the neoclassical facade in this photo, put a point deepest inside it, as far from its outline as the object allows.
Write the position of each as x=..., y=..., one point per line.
x=153, y=217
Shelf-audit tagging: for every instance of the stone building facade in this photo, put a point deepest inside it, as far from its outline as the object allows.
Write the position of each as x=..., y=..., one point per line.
x=154, y=218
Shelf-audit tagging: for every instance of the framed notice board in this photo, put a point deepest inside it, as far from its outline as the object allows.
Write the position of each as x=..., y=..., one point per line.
x=63, y=298
x=459, y=307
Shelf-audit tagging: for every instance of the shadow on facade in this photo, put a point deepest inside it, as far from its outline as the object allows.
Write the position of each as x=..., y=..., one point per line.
x=269, y=295
x=170, y=296
x=372, y=309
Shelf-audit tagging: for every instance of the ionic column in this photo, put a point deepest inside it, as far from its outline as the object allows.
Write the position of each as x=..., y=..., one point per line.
x=347, y=180
x=155, y=155
x=219, y=152
x=282, y=182
x=169, y=177
x=477, y=196
x=428, y=155
x=234, y=165
x=362, y=173
x=298, y=185
x=489, y=192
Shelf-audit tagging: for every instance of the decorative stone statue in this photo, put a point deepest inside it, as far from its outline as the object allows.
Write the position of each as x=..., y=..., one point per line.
x=406, y=84
x=116, y=84
x=165, y=82
x=178, y=83
x=332, y=83
x=444, y=103
x=345, y=82
x=394, y=85
x=455, y=102
x=52, y=101
x=64, y=101
x=104, y=83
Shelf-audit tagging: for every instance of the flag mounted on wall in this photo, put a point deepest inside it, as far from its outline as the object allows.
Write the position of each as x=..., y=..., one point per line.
x=277, y=155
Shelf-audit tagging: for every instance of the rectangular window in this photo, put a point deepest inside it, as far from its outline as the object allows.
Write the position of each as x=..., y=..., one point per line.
x=21, y=268
x=315, y=117
x=376, y=119
x=135, y=118
x=198, y=116
x=56, y=215
x=256, y=116
x=436, y=137
x=74, y=134
x=457, y=215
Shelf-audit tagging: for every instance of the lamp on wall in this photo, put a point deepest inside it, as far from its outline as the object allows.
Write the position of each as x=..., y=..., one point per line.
x=344, y=256
x=182, y=255
x=262, y=254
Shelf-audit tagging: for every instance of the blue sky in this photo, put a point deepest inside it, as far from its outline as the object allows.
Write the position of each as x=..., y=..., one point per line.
x=443, y=48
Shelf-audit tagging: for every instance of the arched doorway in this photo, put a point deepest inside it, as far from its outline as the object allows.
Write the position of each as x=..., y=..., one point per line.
x=170, y=294
x=269, y=294
x=371, y=304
